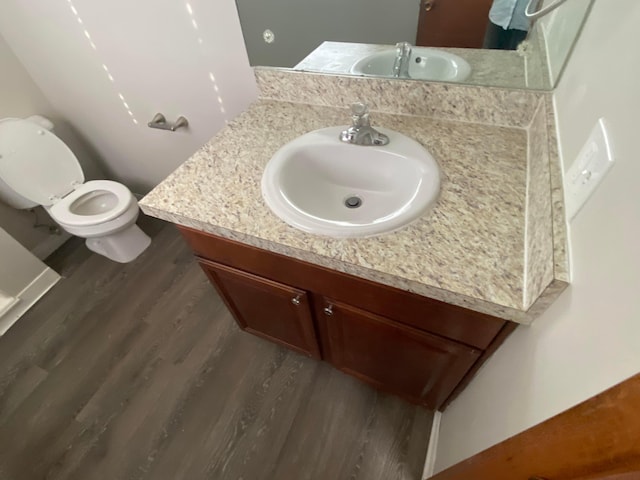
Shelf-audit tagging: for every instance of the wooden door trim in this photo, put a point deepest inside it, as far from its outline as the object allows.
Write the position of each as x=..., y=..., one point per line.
x=453, y=23
x=597, y=439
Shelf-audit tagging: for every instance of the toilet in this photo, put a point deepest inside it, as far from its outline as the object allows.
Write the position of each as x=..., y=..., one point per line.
x=37, y=168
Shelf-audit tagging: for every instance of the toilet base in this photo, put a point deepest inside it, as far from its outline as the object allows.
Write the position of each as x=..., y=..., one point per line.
x=123, y=246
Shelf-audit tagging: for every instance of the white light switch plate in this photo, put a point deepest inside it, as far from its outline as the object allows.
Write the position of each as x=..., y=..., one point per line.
x=593, y=162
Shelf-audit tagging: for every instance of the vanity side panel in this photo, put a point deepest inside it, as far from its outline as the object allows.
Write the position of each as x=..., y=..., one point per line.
x=465, y=326
x=508, y=329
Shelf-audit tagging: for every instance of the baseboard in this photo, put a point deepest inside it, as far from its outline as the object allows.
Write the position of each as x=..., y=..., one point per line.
x=28, y=297
x=6, y=303
x=430, y=461
x=50, y=245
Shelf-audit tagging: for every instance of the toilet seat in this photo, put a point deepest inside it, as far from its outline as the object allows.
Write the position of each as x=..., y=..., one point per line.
x=35, y=163
x=39, y=166
x=64, y=212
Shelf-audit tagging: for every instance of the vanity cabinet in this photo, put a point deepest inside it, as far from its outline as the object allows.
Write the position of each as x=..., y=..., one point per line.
x=266, y=308
x=422, y=367
x=419, y=348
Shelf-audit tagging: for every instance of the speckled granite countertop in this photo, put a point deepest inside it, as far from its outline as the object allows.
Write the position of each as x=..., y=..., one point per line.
x=470, y=251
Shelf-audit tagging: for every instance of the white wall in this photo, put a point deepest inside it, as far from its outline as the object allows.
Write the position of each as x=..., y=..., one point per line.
x=560, y=29
x=302, y=25
x=589, y=339
x=108, y=67
x=21, y=97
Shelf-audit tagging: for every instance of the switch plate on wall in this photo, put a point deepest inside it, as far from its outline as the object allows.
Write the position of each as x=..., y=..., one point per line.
x=593, y=162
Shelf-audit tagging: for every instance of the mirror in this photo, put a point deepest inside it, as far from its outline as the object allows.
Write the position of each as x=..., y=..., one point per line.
x=460, y=41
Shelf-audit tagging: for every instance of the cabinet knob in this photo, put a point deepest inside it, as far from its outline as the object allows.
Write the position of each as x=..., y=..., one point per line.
x=428, y=6
x=296, y=300
x=328, y=310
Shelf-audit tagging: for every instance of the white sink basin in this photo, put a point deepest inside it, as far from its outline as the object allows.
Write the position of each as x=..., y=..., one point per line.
x=324, y=186
x=424, y=64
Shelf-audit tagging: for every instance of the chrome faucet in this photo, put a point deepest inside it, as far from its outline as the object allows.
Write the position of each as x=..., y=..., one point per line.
x=401, y=63
x=361, y=132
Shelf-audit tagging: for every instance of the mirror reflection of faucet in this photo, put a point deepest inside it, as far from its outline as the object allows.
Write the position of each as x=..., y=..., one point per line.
x=403, y=56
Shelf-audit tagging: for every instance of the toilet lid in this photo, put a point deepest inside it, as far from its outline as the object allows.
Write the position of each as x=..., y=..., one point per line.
x=35, y=163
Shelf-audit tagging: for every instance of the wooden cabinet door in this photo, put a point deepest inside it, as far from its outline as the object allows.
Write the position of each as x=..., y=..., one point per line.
x=419, y=366
x=453, y=23
x=266, y=308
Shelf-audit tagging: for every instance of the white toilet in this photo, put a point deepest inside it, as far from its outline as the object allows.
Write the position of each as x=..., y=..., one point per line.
x=37, y=168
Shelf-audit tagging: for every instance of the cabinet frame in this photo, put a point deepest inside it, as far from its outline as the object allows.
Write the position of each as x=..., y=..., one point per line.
x=449, y=321
x=471, y=330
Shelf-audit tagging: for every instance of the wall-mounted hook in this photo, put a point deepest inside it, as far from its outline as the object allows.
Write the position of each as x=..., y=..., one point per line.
x=159, y=121
x=535, y=10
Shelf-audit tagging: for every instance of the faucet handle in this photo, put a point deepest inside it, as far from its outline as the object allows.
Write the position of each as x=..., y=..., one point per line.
x=360, y=132
x=360, y=115
x=359, y=109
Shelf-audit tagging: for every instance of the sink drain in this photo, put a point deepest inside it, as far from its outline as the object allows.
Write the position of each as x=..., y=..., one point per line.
x=353, y=202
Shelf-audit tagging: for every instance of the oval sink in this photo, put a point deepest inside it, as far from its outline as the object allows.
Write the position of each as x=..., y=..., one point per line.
x=324, y=186
x=424, y=64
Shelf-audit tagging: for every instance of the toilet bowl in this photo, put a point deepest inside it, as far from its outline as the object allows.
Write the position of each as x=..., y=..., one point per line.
x=37, y=167
x=105, y=213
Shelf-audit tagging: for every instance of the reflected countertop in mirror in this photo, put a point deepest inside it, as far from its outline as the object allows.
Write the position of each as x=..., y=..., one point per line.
x=331, y=36
x=503, y=68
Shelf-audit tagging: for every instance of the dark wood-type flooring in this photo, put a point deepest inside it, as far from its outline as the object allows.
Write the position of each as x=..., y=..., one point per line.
x=138, y=371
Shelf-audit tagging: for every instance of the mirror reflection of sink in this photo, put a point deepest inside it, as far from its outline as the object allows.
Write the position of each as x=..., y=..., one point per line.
x=424, y=64
x=321, y=185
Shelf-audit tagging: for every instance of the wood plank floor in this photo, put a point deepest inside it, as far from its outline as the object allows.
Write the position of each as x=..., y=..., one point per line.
x=138, y=371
